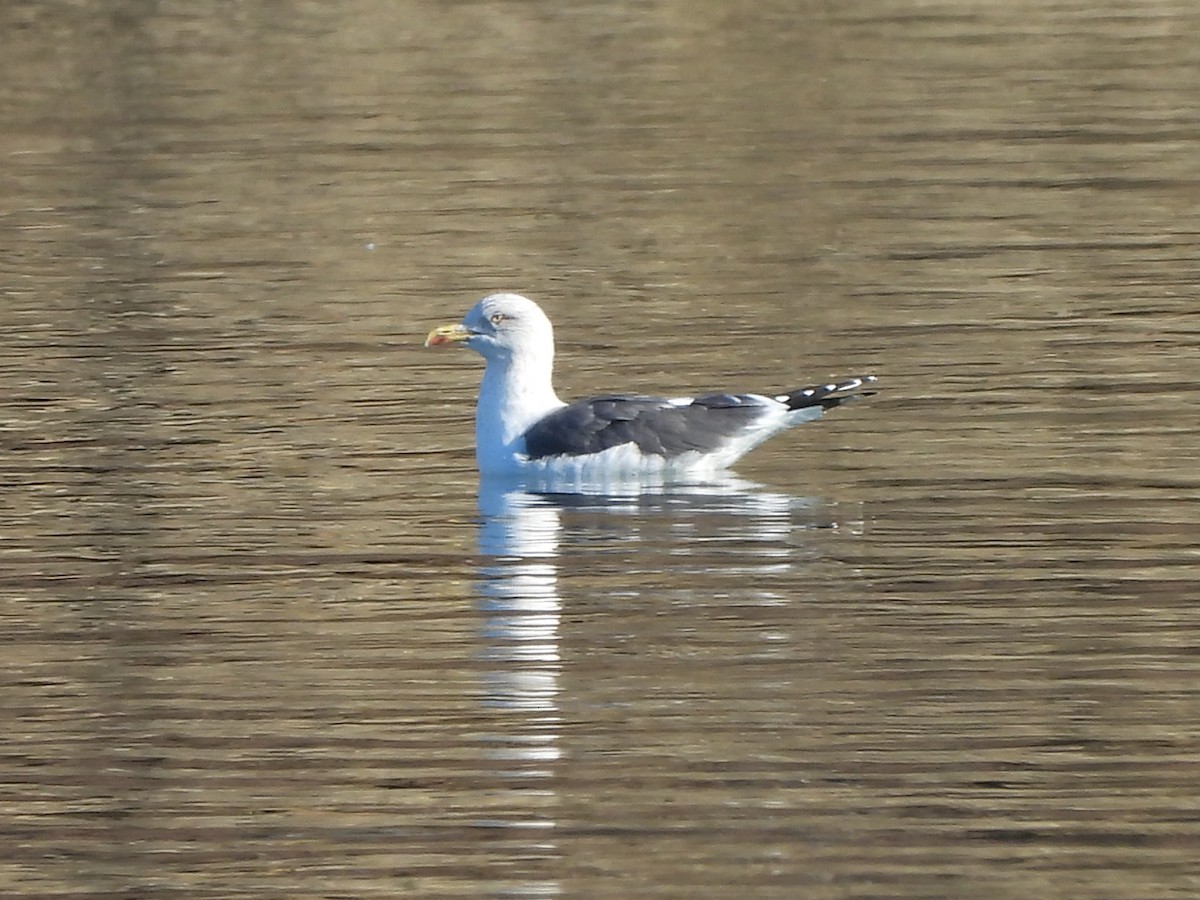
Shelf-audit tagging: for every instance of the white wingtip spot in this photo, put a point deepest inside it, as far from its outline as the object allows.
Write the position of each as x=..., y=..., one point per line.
x=782, y=398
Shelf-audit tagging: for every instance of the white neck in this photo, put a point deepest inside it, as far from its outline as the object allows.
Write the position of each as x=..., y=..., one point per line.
x=515, y=393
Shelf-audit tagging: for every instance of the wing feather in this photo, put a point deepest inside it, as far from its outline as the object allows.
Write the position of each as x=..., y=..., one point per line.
x=655, y=425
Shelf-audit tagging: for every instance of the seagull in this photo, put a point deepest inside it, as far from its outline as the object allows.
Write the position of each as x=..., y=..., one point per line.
x=521, y=427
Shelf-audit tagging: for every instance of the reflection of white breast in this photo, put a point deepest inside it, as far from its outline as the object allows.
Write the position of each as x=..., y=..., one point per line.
x=518, y=538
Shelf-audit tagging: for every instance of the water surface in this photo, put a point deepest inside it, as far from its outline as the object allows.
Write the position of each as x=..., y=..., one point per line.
x=267, y=635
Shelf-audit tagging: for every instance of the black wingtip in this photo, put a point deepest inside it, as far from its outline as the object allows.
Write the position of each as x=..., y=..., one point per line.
x=829, y=395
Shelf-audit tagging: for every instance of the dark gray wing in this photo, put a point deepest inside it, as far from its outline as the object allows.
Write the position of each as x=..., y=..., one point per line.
x=657, y=426
x=827, y=396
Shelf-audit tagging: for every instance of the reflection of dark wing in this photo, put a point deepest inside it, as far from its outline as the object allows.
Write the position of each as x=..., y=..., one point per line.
x=655, y=425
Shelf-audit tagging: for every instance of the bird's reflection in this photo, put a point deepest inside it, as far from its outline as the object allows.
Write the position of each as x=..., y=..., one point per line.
x=528, y=527
x=518, y=586
x=529, y=530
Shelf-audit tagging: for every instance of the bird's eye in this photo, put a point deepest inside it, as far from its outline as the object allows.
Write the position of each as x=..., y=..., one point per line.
x=497, y=318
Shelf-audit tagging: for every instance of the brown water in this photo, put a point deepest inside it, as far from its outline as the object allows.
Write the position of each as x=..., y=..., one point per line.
x=264, y=638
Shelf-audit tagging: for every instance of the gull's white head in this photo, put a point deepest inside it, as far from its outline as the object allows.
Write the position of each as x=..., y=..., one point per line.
x=516, y=340
x=499, y=327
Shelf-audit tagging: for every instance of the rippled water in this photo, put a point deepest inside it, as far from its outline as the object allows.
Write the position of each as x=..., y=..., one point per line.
x=267, y=635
